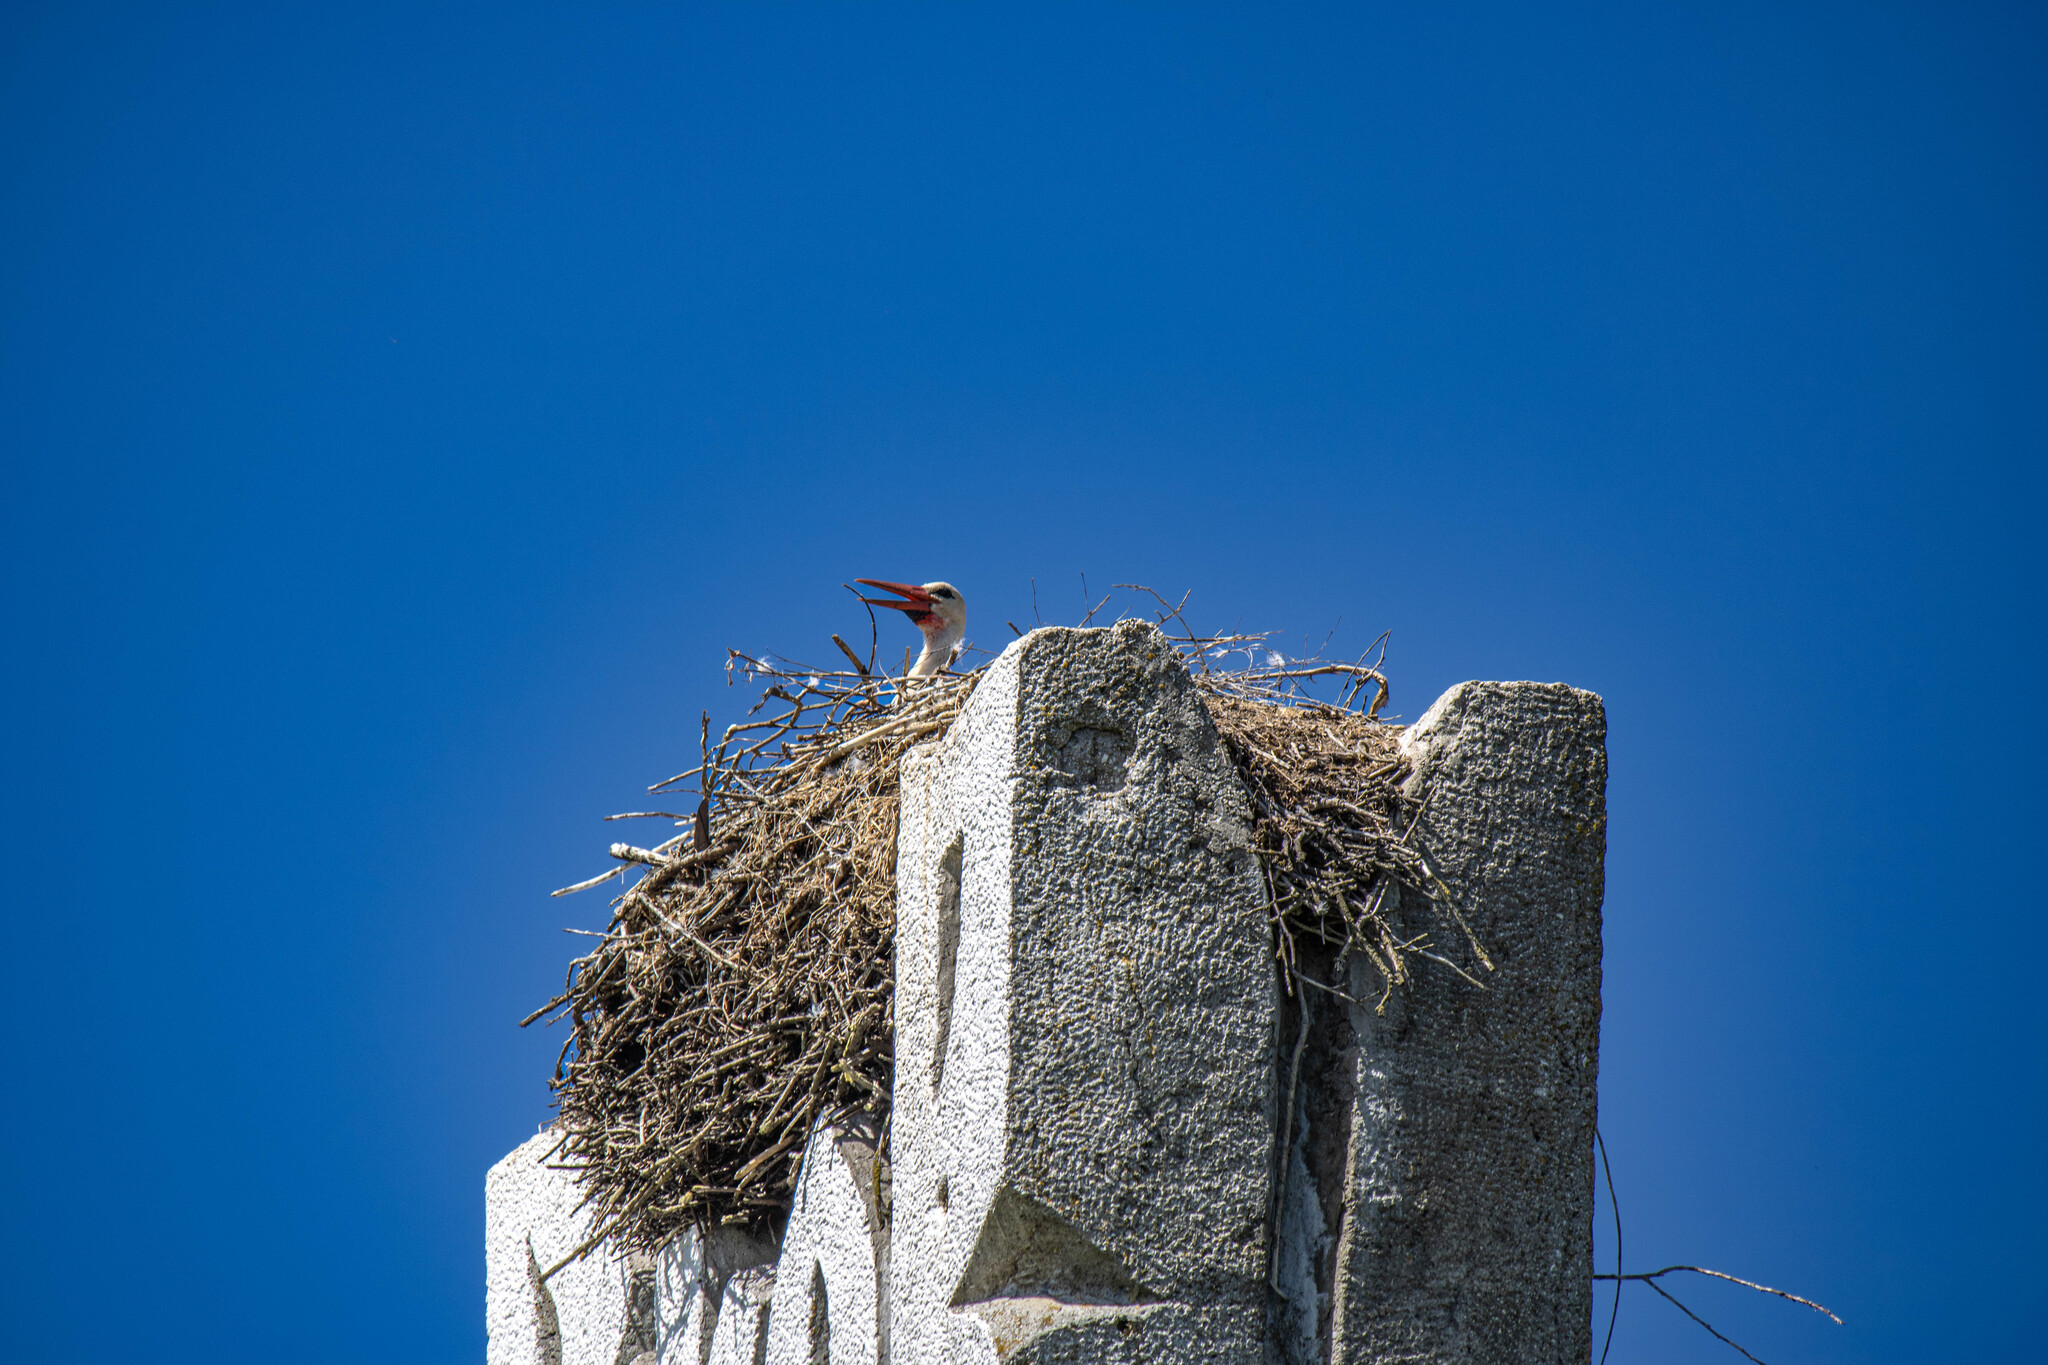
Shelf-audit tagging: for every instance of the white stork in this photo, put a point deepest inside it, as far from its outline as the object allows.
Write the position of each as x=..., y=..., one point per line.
x=936, y=609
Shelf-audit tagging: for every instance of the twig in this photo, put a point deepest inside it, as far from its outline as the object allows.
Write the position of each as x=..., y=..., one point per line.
x=915, y=724
x=1332, y=990
x=586, y=885
x=1437, y=957
x=1172, y=610
x=852, y=657
x=1648, y=1275
x=1701, y=1321
x=1319, y=671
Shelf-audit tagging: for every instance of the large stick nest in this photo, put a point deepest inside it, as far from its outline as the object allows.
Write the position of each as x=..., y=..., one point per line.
x=744, y=987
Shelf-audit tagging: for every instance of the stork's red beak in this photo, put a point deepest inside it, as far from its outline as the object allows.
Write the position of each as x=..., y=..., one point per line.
x=919, y=603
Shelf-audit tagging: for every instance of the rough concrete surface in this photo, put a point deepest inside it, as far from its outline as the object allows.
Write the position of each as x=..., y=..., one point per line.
x=1468, y=1197
x=1084, y=1167
x=830, y=1278
x=741, y=1334
x=612, y=1307
x=530, y=1220
x=711, y=1298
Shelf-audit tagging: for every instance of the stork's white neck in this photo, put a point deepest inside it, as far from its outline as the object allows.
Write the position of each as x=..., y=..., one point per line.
x=938, y=651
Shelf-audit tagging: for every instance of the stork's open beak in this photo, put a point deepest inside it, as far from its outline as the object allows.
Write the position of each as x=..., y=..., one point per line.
x=920, y=600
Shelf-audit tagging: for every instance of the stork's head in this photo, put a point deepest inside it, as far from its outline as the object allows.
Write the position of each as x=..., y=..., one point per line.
x=935, y=608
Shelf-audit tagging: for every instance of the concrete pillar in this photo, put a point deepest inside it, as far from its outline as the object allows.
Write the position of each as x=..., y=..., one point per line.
x=1441, y=1188
x=713, y=1297
x=740, y=1335
x=1083, y=1106
x=579, y=1316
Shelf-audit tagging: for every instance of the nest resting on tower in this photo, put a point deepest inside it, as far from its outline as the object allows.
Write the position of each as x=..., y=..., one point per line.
x=743, y=989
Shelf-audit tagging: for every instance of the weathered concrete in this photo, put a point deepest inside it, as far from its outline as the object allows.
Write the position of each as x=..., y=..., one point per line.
x=530, y=1220
x=741, y=1333
x=713, y=1293
x=612, y=1307
x=1083, y=1110
x=831, y=1279
x=1464, y=1222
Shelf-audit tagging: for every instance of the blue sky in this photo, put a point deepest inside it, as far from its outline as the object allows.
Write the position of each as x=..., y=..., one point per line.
x=405, y=407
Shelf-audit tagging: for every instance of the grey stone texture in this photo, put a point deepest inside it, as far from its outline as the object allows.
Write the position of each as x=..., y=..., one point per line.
x=1094, y=1052
x=1467, y=1173
x=830, y=1282
x=613, y=1307
x=1083, y=1172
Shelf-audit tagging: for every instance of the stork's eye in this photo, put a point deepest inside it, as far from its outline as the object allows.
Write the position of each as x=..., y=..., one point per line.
x=942, y=592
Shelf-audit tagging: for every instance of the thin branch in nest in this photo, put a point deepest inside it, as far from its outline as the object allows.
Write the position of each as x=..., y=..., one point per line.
x=587, y=883
x=847, y=650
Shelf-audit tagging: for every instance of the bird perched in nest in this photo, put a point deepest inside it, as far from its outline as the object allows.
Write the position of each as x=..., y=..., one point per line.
x=936, y=609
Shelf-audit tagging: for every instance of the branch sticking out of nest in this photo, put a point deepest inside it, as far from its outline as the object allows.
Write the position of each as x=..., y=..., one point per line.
x=744, y=988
